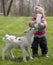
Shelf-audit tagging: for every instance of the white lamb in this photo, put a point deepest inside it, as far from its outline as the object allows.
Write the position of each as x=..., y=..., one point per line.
x=19, y=42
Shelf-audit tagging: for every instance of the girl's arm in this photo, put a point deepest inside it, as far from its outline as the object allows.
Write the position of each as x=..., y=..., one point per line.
x=44, y=24
x=39, y=23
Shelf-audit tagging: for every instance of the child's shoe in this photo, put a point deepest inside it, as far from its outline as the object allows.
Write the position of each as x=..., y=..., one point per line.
x=46, y=55
x=35, y=56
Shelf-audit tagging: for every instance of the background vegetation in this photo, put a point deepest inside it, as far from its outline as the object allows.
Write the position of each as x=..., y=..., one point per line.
x=24, y=7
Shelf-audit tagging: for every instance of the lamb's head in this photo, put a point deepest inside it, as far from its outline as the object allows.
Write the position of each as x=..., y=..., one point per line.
x=30, y=31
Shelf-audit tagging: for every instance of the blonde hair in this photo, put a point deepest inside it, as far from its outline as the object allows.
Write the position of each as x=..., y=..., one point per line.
x=38, y=8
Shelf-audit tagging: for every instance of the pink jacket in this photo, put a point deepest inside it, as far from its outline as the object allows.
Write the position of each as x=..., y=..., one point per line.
x=40, y=31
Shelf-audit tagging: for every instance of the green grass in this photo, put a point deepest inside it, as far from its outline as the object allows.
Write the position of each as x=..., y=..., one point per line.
x=16, y=26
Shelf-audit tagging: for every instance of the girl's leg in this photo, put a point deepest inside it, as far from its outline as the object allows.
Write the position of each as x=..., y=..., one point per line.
x=43, y=46
x=35, y=47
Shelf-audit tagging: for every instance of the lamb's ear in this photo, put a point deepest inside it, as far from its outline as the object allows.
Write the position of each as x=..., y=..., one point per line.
x=25, y=31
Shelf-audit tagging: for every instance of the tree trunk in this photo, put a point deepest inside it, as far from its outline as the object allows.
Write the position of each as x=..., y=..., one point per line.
x=9, y=7
x=3, y=4
x=21, y=7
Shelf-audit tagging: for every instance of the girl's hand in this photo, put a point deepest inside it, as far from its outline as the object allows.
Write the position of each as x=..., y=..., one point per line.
x=41, y=24
x=36, y=25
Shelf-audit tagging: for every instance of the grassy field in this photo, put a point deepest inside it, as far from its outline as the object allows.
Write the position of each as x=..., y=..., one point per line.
x=16, y=26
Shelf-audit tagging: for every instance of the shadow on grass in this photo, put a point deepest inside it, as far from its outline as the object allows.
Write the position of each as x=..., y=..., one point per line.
x=16, y=59
x=19, y=59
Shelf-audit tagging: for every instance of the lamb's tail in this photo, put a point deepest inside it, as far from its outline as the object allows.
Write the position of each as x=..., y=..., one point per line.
x=5, y=37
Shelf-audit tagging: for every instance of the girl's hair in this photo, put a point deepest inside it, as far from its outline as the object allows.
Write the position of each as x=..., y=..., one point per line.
x=40, y=9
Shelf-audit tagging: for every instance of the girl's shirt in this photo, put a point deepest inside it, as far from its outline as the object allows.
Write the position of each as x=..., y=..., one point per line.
x=41, y=30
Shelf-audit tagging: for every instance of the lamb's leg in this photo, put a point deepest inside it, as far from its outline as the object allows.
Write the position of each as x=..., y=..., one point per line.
x=4, y=51
x=8, y=46
x=28, y=51
x=23, y=52
x=11, y=54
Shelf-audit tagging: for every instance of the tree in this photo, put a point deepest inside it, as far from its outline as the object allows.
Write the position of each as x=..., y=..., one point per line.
x=21, y=7
x=9, y=8
x=3, y=7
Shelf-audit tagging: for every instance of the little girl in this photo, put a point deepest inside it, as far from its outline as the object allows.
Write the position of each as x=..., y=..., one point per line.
x=40, y=24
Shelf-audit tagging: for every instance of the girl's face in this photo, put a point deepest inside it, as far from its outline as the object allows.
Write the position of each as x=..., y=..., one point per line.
x=37, y=10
